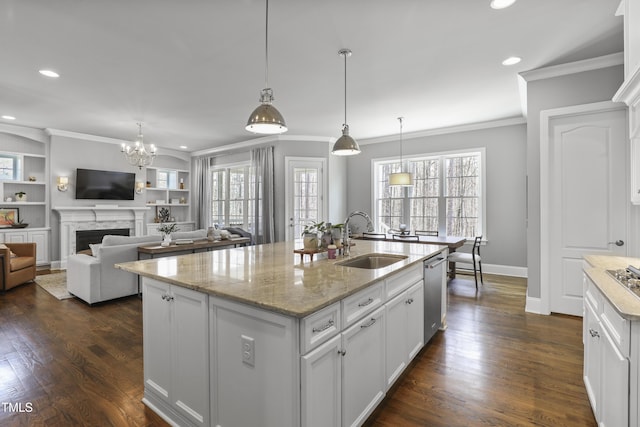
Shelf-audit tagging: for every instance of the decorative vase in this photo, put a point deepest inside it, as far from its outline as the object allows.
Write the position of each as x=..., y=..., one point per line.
x=21, y=197
x=310, y=241
x=326, y=239
x=166, y=240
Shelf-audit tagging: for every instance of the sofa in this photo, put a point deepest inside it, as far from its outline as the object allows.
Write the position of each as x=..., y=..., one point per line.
x=93, y=277
x=19, y=264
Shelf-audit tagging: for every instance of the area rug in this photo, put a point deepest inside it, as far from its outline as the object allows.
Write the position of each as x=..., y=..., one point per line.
x=55, y=284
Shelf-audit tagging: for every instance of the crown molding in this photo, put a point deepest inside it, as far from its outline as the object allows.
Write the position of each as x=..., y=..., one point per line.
x=35, y=134
x=447, y=130
x=560, y=70
x=106, y=140
x=261, y=140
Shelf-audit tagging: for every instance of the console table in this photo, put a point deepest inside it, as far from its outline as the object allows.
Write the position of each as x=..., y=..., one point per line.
x=156, y=249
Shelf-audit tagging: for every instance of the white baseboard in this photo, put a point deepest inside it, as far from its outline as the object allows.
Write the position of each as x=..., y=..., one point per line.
x=534, y=305
x=501, y=270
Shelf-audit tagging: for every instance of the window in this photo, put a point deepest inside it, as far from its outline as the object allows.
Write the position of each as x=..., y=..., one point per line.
x=447, y=194
x=166, y=179
x=233, y=197
x=9, y=167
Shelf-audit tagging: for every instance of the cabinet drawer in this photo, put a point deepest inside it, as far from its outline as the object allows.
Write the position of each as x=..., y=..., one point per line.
x=403, y=280
x=319, y=327
x=593, y=295
x=361, y=303
x=618, y=328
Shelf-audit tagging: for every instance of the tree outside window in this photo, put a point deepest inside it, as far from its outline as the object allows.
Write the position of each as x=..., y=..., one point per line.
x=446, y=196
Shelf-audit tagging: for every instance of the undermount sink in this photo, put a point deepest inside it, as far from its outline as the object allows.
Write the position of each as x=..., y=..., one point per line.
x=372, y=261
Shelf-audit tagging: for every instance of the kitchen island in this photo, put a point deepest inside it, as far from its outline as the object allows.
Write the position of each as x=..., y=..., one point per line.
x=256, y=337
x=611, y=336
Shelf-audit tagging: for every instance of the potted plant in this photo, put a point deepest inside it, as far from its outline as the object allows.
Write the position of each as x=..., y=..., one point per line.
x=21, y=196
x=166, y=229
x=336, y=234
x=310, y=234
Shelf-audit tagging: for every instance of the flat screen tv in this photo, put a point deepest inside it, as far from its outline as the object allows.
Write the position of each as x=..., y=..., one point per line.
x=104, y=185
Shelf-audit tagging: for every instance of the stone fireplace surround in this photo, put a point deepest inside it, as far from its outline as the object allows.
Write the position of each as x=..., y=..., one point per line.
x=76, y=218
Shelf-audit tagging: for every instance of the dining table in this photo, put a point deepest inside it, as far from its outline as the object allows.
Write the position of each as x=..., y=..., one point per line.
x=452, y=242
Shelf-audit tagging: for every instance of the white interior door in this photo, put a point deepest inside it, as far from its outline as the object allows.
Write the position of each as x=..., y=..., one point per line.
x=304, y=188
x=583, y=197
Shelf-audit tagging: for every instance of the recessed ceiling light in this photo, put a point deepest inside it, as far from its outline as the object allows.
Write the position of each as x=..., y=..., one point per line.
x=184, y=147
x=512, y=60
x=49, y=73
x=8, y=117
x=501, y=4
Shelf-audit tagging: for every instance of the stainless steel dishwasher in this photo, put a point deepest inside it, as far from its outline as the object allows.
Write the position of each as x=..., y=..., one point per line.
x=434, y=276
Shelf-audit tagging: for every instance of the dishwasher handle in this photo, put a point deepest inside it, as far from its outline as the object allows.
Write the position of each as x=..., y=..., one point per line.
x=434, y=262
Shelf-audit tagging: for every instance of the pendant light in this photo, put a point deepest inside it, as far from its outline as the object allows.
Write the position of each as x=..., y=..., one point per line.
x=345, y=145
x=401, y=179
x=266, y=119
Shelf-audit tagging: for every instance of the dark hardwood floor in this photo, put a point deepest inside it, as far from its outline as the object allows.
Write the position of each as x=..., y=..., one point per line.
x=63, y=363
x=495, y=365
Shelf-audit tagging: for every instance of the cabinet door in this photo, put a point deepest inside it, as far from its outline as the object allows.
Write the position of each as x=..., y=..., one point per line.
x=321, y=376
x=40, y=238
x=614, y=397
x=396, y=338
x=363, y=368
x=415, y=319
x=592, y=357
x=156, y=328
x=16, y=237
x=190, y=359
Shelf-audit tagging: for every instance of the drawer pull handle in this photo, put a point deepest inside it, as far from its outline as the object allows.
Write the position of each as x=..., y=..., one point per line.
x=329, y=324
x=342, y=352
x=369, y=323
x=366, y=303
x=594, y=333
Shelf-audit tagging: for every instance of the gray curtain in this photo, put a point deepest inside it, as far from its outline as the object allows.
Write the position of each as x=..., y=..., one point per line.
x=202, y=192
x=263, y=182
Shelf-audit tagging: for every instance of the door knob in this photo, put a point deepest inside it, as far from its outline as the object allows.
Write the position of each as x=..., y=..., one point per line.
x=617, y=243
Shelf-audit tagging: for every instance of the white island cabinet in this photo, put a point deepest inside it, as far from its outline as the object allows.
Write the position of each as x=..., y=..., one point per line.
x=284, y=344
x=176, y=349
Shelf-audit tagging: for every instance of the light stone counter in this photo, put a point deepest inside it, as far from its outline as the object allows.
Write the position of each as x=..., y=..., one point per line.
x=274, y=278
x=624, y=301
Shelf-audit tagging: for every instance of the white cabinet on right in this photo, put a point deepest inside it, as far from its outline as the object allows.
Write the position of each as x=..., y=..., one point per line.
x=405, y=330
x=608, y=361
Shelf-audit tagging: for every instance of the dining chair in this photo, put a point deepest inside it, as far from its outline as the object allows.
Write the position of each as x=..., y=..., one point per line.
x=374, y=235
x=433, y=233
x=405, y=237
x=472, y=258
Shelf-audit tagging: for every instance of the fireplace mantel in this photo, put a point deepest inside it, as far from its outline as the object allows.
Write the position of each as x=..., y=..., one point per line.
x=74, y=218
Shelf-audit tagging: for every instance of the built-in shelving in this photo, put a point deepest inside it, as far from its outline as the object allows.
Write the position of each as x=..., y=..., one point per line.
x=168, y=188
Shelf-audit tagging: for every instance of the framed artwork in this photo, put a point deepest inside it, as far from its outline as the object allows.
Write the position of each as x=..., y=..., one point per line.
x=8, y=217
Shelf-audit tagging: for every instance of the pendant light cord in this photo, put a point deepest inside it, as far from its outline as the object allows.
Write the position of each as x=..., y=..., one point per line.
x=345, y=89
x=266, y=46
x=401, y=165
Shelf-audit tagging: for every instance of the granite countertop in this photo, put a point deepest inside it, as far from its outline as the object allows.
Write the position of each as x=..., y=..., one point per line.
x=623, y=300
x=274, y=278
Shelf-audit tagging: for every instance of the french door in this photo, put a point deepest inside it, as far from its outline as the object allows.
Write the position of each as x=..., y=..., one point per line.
x=304, y=189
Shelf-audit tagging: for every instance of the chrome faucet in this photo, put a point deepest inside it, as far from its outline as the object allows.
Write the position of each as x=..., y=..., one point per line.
x=345, y=229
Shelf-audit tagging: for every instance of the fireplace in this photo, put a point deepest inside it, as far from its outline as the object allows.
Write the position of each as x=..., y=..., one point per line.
x=86, y=237
x=99, y=217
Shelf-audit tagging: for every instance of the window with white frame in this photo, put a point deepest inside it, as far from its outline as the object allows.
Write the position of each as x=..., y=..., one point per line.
x=233, y=196
x=447, y=195
x=10, y=167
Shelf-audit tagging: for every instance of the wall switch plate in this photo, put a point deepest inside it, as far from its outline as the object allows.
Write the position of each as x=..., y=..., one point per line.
x=248, y=350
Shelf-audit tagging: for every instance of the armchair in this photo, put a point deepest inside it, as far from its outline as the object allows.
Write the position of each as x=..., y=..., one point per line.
x=20, y=268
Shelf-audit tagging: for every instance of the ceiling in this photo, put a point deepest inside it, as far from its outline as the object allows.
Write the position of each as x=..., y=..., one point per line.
x=192, y=70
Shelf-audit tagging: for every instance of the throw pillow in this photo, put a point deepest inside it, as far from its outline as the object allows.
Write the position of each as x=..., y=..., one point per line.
x=95, y=249
x=11, y=254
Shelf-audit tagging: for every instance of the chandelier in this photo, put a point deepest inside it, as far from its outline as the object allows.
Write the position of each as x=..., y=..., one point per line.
x=139, y=155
